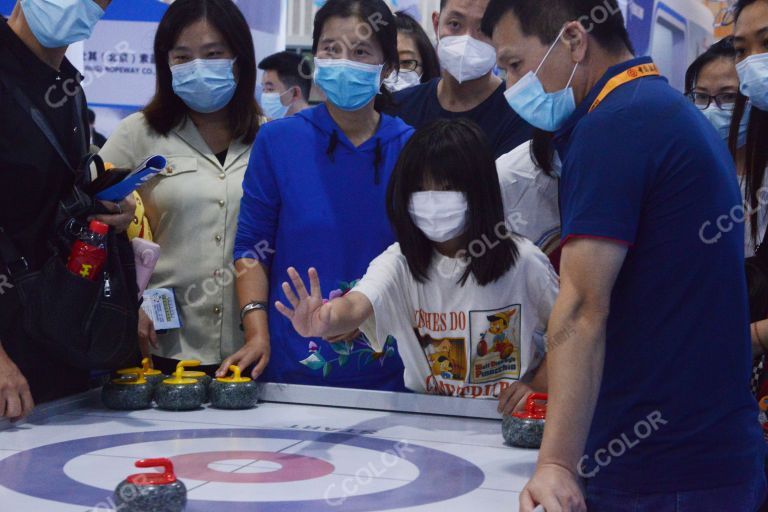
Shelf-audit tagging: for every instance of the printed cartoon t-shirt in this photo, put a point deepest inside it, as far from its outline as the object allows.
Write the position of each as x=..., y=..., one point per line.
x=471, y=341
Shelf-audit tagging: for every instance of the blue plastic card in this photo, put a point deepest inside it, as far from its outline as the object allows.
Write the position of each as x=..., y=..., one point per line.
x=145, y=172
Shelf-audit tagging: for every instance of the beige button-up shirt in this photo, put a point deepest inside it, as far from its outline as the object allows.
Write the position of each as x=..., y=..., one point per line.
x=192, y=207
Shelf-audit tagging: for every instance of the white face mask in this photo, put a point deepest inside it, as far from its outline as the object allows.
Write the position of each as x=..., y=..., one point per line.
x=403, y=80
x=466, y=58
x=441, y=216
x=753, y=75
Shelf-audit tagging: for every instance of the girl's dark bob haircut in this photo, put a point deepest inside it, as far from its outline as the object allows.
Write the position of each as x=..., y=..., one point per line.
x=379, y=22
x=166, y=110
x=452, y=155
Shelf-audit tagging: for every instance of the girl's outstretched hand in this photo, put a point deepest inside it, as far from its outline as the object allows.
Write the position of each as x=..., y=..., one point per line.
x=309, y=316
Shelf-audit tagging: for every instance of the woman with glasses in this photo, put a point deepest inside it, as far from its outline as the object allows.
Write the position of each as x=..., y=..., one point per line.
x=418, y=59
x=712, y=84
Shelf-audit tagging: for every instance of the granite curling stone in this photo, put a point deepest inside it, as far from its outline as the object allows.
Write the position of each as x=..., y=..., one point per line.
x=128, y=394
x=152, y=492
x=180, y=393
x=204, y=379
x=154, y=377
x=236, y=392
x=525, y=429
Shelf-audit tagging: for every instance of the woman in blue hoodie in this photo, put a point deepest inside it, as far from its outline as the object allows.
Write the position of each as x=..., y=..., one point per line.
x=314, y=194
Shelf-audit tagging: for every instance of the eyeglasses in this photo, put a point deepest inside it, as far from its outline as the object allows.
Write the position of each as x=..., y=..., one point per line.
x=409, y=65
x=724, y=101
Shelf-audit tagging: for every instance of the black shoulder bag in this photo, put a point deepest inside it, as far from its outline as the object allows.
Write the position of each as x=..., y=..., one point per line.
x=87, y=324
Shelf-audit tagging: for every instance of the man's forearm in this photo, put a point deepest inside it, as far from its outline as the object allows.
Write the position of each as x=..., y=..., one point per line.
x=575, y=367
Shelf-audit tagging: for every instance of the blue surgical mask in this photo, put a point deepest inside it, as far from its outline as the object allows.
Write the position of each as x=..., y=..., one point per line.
x=205, y=85
x=59, y=23
x=273, y=106
x=753, y=74
x=744, y=127
x=259, y=92
x=546, y=111
x=348, y=85
x=721, y=120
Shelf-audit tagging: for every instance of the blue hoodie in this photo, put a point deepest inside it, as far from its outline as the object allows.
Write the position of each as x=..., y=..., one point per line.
x=312, y=199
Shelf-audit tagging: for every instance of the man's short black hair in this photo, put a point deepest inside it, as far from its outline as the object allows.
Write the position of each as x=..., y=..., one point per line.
x=292, y=68
x=545, y=19
x=91, y=116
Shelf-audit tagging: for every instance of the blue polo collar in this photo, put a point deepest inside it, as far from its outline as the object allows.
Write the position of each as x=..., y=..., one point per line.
x=583, y=108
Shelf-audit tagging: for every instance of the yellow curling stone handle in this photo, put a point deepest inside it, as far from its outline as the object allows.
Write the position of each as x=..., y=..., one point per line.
x=236, y=377
x=179, y=376
x=146, y=367
x=138, y=372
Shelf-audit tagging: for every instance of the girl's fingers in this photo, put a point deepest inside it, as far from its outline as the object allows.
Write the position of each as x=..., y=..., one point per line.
x=314, y=284
x=521, y=403
x=290, y=295
x=504, y=399
x=298, y=283
x=287, y=312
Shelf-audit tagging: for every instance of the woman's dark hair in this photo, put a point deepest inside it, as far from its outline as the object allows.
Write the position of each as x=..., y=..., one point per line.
x=454, y=155
x=543, y=151
x=167, y=110
x=722, y=49
x=430, y=63
x=381, y=22
x=756, y=149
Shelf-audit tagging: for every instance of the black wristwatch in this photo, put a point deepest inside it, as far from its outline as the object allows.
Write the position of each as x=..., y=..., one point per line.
x=251, y=306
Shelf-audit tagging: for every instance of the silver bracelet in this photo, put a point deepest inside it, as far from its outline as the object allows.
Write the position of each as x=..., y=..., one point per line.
x=251, y=306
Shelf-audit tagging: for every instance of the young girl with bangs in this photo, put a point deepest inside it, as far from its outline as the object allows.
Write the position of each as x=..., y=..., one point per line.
x=466, y=300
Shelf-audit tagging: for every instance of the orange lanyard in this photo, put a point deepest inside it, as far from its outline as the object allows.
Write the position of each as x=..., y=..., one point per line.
x=627, y=76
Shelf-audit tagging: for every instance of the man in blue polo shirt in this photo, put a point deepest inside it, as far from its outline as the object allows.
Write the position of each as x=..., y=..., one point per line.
x=648, y=349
